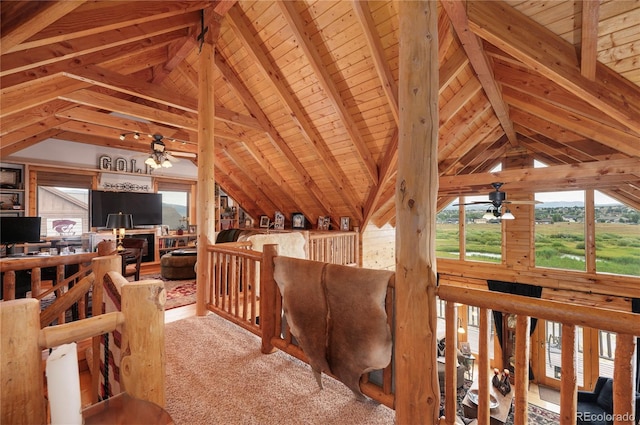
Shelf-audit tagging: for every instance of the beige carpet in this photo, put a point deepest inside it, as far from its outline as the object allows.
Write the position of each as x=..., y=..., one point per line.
x=217, y=375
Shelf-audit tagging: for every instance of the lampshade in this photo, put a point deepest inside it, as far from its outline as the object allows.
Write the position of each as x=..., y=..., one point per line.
x=119, y=221
x=508, y=215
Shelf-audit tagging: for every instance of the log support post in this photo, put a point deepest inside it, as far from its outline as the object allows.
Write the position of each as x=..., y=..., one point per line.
x=569, y=378
x=521, y=369
x=417, y=387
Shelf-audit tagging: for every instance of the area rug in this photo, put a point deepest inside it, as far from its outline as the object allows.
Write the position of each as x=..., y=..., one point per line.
x=216, y=374
x=179, y=292
x=549, y=394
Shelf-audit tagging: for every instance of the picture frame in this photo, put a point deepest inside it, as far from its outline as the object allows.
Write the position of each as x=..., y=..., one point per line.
x=7, y=200
x=193, y=229
x=278, y=221
x=324, y=222
x=264, y=221
x=224, y=202
x=10, y=178
x=465, y=348
x=344, y=224
x=298, y=221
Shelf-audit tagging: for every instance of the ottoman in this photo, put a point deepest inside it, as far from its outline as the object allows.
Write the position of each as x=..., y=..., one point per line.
x=178, y=264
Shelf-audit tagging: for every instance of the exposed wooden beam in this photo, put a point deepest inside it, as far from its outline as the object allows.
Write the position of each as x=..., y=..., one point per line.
x=331, y=91
x=10, y=142
x=103, y=77
x=297, y=114
x=102, y=101
x=278, y=142
x=554, y=58
x=73, y=48
x=178, y=51
x=589, y=47
x=619, y=140
x=560, y=177
x=388, y=167
x=480, y=62
x=28, y=24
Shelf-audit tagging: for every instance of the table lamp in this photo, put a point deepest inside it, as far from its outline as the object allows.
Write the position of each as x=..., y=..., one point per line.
x=119, y=223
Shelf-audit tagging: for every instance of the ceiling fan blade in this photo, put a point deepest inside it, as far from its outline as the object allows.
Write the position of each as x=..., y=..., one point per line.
x=474, y=203
x=171, y=158
x=523, y=202
x=183, y=154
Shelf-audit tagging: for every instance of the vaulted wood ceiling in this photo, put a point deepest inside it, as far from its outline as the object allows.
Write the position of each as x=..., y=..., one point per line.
x=306, y=93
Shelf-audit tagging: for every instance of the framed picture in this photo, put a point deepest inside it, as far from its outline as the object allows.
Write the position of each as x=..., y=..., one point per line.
x=7, y=200
x=344, y=224
x=264, y=221
x=324, y=222
x=465, y=348
x=298, y=221
x=278, y=221
x=9, y=178
x=193, y=228
x=224, y=203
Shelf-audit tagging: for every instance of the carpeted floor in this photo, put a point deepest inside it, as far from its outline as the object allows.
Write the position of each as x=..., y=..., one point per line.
x=179, y=292
x=216, y=374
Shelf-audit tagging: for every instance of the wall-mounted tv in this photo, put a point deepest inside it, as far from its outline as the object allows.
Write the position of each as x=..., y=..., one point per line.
x=19, y=230
x=146, y=208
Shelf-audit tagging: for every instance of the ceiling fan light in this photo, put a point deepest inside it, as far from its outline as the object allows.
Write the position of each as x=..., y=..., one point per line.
x=507, y=215
x=151, y=162
x=166, y=163
x=122, y=137
x=136, y=136
x=488, y=215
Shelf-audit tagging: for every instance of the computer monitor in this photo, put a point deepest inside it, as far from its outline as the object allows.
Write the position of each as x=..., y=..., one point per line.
x=16, y=230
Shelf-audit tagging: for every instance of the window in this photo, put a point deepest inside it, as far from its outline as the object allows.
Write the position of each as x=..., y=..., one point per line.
x=483, y=238
x=560, y=230
x=617, y=234
x=448, y=232
x=64, y=211
x=175, y=209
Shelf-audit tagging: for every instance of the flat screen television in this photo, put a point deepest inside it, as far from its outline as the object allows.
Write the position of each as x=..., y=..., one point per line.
x=15, y=230
x=146, y=208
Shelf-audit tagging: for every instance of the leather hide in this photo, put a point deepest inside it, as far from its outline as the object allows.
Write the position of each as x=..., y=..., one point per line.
x=337, y=315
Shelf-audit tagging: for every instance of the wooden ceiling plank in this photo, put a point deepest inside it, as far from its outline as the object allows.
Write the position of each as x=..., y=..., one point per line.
x=125, y=58
x=451, y=68
x=363, y=14
x=554, y=58
x=27, y=132
x=584, y=126
x=31, y=116
x=46, y=14
x=588, y=49
x=527, y=81
x=278, y=142
x=102, y=101
x=106, y=78
x=493, y=134
x=445, y=35
x=460, y=99
x=311, y=135
x=48, y=54
x=480, y=62
x=44, y=90
x=324, y=79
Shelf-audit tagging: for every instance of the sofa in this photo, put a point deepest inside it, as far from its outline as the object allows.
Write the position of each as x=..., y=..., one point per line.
x=460, y=370
x=596, y=407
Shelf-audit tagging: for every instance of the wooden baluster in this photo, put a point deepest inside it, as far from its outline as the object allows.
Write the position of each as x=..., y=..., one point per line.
x=36, y=281
x=521, y=371
x=484, y=382
x=568, y=380
x=9, y=286
x=270, y=320
x=624, y=380
x=450, y=372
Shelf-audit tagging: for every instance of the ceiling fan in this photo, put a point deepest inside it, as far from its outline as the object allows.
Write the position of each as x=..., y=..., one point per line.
x=496, y=200
x=159, y=155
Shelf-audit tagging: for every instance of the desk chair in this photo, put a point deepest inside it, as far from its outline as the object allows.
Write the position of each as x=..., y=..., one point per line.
x=132, y=256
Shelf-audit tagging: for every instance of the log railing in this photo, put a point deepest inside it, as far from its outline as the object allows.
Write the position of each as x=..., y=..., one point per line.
x=335, y=247
x=35, y=264
x=625, y=324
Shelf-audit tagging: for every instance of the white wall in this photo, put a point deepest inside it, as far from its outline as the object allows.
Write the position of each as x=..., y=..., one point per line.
x=78, y=155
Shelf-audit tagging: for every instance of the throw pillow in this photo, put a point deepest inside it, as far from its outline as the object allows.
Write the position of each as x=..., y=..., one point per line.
x=441, y=347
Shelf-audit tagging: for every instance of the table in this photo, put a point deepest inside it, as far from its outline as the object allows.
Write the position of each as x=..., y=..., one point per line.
x=122, y=409
x=498, y=415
